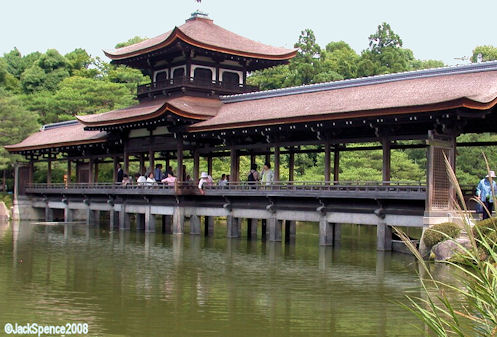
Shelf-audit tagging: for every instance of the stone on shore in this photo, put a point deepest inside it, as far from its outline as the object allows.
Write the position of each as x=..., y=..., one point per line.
x=445, y=250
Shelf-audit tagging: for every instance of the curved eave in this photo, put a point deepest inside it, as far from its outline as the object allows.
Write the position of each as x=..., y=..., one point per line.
x=458, y=103
x=178, y=34
x=15, y=148
x=155, y=114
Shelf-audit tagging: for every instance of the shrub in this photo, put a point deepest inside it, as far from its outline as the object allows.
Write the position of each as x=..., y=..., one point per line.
x=440, y=232
x=485, y=227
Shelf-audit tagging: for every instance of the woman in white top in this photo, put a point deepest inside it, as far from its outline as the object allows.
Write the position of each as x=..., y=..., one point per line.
x=203, y=182
x=151, y=180
x=267, y=175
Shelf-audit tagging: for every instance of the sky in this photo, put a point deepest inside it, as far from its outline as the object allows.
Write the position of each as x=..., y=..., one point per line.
x=434, y=29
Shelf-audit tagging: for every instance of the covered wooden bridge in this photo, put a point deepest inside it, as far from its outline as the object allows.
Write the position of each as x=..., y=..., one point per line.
x=193, y=109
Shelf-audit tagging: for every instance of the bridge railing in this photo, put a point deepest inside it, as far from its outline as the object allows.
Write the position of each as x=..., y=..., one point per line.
x=191, y=187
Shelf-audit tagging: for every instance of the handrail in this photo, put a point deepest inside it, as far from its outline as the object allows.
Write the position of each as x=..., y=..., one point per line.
x=343, y=186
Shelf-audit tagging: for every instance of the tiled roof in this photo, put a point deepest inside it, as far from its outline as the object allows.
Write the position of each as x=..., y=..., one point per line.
x=473, y=86
x=187, y=106
x=59, y=135
x=203, y=33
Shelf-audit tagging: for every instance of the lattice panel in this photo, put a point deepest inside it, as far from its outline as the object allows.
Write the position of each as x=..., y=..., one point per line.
x=441, y=183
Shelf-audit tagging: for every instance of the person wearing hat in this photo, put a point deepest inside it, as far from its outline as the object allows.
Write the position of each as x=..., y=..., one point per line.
x=485, y=193
x=203, y=182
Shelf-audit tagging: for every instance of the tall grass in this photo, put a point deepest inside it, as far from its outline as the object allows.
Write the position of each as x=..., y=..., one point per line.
x=477, y=278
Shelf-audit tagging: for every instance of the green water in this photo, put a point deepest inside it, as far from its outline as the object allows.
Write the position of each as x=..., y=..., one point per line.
x=137, y=284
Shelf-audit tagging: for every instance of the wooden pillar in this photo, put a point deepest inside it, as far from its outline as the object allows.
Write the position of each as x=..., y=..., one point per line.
x=113, y=219
x=196, y=166
x=233, y=227
x=252, y=160
x=327, y=163
x=234, y=166
x=290, y=230
x=268, y=156
x=115, y=161
x=252, y=229
x=209, y=165
x=209, y=226
x=95, y=178
x=167, y=224
x=291, y=165
x=277, y=163
x=151, y=160
x=91, y=175
x=124, y=221
x=336, y=165
x=386, y=159
x=142, y=164
x=49, y=171
x=179, y=156
x=125, y=162
x=149, y=220
x=168, y=163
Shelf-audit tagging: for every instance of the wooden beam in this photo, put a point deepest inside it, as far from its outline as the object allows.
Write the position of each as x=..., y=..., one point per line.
x=90, y=171
x=234, y=166
x=196, y=166
x=336, y=165
x=291, y=166
x=209, y=165
x=69, y=171
x=49, y=171
x=179, y=156
x=95, y=178
x=115, y=161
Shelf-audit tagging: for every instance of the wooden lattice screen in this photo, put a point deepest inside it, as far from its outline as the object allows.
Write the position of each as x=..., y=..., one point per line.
x=441, y=184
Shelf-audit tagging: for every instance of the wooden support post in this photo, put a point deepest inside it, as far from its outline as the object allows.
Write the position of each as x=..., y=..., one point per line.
x=142, y=168
x=125, y=162
x=179, y=156
x=209, y=165
x=386, y=160
x=336, y=165
x=49, y=171
x=234, y=166
x=178, y=220
x=274, y=229
x=327, y=163
x=95, y=178
x=268, y=157
x=114, y=168
x=252, y=160
x=252, y=229
x=325, y=232
x=149, y=220
x=196, y=166
x=151, y=160
x=291, y=165
x=69, y=171
x=209, y=226
x=232, y=227
x=337, y=232
x=90, y=216
x=384, y=237
x=91, y=175
x=277, y=163
x=194, y=225
x=263, y=229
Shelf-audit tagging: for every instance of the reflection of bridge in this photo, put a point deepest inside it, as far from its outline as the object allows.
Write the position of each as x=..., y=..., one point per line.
x=372, y=203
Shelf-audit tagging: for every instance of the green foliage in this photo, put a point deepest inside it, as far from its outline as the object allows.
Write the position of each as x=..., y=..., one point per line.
x=485, y=227
x=7, y=198
x=440, y=232
x=131, y=41
x=488, y=53
x=32, y=79
x=17, y=124
x=384, y=38
x=78, y=59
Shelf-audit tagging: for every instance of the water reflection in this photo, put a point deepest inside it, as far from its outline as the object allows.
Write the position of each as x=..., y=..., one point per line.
x=135, y=283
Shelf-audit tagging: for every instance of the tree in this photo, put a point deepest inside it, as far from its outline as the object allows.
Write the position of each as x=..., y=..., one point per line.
x=306, y=64
x=130, y=42
x=17, y=124
x=488, y=53
x=78, y=59
x=32, y=79
x=383, y=38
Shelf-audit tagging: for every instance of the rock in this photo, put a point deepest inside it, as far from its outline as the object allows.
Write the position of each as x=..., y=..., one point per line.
x=445, y=250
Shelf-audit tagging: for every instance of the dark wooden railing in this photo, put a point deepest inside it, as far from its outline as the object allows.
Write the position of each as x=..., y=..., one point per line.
x=198, y=83
x=354, y=189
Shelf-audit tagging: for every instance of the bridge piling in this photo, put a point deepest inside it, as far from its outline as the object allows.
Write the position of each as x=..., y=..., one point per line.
x=209, y=226
x=113, y=219
x=48, y=214
x=290, y=230
x=124, y=220
x=178, y=220
x=384, y=237
x=167, y=224
x=325, y=232
x=252, y=229
x=194, y=225
x=67, y=214
x=149, y=221
x=274, y=229
x=232, y=227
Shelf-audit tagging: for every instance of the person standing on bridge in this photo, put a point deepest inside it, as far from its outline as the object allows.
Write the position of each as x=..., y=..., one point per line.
x=267, y=175
x=485, y=191
x=120, y=173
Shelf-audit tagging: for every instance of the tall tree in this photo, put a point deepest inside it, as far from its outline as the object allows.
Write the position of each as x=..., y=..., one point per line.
x=131, y=41
x=487, y=53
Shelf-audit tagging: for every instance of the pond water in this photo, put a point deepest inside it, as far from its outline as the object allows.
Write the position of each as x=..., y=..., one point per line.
x=127, y=283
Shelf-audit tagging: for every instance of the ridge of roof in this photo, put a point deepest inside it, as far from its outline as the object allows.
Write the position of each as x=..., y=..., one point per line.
x=59, y=124
x=362, y=81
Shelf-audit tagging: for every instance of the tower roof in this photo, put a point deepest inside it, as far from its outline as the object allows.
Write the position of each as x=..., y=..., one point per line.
x=200, y=31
